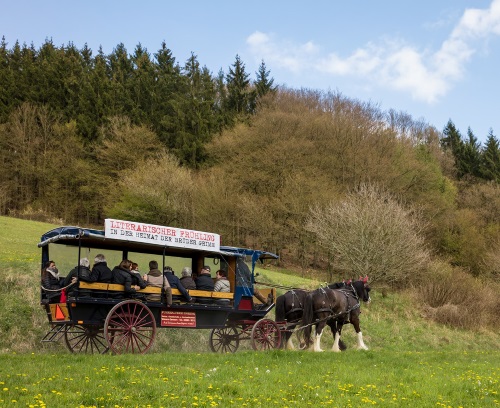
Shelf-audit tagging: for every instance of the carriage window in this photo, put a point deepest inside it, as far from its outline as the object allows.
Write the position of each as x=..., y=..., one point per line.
x=66, y=256
x=176, y=263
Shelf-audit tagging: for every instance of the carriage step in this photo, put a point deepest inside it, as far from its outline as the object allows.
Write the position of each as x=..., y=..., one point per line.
x=54, y=334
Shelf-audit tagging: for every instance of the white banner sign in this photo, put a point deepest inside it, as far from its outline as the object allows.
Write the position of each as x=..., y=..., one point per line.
x=158, y=235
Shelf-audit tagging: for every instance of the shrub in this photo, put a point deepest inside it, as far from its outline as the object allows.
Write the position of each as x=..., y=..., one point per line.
x=371, y=233
x=452, y=297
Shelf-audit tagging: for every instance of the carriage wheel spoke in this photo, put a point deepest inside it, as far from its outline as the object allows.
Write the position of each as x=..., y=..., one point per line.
x=86, y=339
x=265, y=335
x=130, y=327
x=224, y=340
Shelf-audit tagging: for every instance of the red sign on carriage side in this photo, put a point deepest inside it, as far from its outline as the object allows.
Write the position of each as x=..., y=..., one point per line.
x=178, y=319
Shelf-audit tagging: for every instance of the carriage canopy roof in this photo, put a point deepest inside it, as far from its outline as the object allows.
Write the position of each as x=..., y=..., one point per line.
x=147, y=238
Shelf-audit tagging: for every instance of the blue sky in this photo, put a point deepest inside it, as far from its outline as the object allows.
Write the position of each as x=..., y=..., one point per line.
x=435, y=60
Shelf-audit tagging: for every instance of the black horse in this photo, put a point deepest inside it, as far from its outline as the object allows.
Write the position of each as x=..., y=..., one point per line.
x=334, y=307
x=289, y=310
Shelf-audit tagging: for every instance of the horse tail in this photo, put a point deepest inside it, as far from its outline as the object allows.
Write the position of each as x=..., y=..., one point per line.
x=307, y=319
x=280, y=308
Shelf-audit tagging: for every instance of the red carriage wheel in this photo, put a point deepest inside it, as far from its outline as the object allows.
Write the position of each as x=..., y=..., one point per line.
x=86, y=339
x=130, y=327
x=225, y=340
x=266, y=335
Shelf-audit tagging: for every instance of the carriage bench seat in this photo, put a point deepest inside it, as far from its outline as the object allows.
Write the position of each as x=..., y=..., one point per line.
x=114, y=287
x=205, y=294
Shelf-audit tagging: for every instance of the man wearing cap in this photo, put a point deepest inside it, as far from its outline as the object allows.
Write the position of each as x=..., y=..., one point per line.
x=205, y=281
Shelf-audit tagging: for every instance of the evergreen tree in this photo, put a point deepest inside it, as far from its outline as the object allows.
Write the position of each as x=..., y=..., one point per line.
x=452, y=141
x=121, y=71
x=240, y=96
x=264, y=84
x=100, y=93
x=199, y=120
x=221, y=100
x=169, y=89
x=470, y=159
x=49, y=86
x=28, y=78
x=15, y=87
x=88, y=120
x=490, y=159
x=6, y=81
x=71, y=66
x=142, y=86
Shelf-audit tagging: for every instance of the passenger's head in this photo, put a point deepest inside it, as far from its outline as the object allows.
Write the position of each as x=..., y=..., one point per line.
x=50, y=264
x=85, y=262
x=221, y=273
x=205, y=270
x=168, y=269
x=125, y=264
x=99, y=258
x=153, y=265
x=135, y=267
x=186, y=271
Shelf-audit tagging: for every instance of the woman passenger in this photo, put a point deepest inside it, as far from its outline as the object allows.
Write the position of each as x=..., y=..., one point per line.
x=51, y=282
x=187, y=280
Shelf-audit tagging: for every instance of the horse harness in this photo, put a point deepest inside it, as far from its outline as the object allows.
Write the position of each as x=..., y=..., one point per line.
x=351, y=292
x=294, y=309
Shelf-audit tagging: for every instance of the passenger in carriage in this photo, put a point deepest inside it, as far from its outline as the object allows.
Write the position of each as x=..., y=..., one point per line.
x=205, y=281
x=156, y=278
x=187, y=278
x=175, y=283
x=100, y=271
x=123, y=276
x=221, y=283
x=51, y=282
x=135, y=269
x=136, y=276
x=81, y=272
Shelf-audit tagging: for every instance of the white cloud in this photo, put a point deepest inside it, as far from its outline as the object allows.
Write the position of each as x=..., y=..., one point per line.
x=425, y=75
x=293, y=57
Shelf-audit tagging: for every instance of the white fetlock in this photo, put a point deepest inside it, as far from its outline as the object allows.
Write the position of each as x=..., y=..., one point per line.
x=335, y=346
x=317, y=342
x=361, y=343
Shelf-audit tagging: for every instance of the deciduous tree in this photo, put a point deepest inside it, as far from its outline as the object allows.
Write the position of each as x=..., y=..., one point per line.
x=370, y=233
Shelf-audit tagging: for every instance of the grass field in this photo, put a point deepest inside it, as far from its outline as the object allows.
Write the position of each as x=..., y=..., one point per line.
x=253, y=379
x=412, y=361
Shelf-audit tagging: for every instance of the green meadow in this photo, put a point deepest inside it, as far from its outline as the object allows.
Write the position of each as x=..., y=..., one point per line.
x=412, y=361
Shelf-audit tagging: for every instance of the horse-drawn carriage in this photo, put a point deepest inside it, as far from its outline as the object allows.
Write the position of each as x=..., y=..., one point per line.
x=99, y=316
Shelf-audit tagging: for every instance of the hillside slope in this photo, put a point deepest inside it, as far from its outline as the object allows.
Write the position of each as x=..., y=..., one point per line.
x=391, y=322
